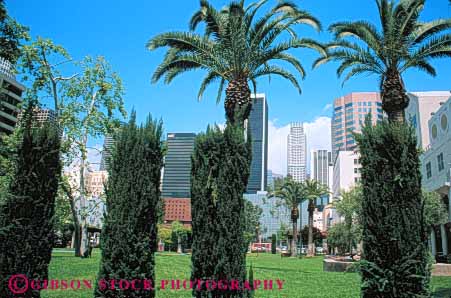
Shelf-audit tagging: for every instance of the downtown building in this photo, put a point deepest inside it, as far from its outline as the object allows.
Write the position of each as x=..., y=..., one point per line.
x=321, y=169
x=430, y=114
x=176, y=184
x=348, y=117
x=257, y=124
x=297, y=162
x=108, y=144
x=10, y=97
x=297, y=152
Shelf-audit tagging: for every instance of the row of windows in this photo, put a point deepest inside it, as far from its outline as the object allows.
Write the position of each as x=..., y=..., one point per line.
x=440, y=166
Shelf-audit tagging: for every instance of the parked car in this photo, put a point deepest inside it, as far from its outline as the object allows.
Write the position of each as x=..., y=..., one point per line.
x=319, y=250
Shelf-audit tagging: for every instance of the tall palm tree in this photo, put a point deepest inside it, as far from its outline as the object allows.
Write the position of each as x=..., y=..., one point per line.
x=291, y=194
x=312, y=191
x=236, y=49
x=403, y=43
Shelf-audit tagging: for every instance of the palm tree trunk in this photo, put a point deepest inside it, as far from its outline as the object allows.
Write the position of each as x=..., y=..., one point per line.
x=394, y=97
x=238, y=102
x=311, y=247
x=294, y=240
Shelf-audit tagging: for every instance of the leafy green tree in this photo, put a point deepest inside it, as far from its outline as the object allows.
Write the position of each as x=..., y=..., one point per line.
x=129, y=234
x=317, y=236
x=403, y=42
x=87, y=104
x=350, y=207
x=26, y=218
x=340, y=237
x=312, y=191
x=435, y=211
x=395, y=247
x=290, y=194
x=238, y=47
x=12, y=34
x=253, y=215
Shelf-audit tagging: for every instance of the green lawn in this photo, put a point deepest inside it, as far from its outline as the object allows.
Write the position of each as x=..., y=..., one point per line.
x=303, y=277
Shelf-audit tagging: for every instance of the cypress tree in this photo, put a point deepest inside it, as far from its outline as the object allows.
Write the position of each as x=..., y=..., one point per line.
x=220, y=170
x=205, y=165
x=129, y=234
x=395, y=253
x=232, y=182
x=26, y=218
x=273, y=244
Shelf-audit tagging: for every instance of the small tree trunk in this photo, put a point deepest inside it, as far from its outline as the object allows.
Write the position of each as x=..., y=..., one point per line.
x=311, y=246
x=294, y=240
x=179, y=245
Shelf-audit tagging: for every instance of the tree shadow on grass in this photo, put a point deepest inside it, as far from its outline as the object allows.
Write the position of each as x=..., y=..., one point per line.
x=442, y=293
x=279, y=269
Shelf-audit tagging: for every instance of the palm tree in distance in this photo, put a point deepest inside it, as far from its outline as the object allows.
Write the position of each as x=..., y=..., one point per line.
x=312, y=191
x=236, y=49
x=290, y=194
x=403, y=43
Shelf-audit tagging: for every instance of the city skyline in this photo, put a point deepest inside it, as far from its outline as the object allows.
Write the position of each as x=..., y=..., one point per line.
x=177, y=104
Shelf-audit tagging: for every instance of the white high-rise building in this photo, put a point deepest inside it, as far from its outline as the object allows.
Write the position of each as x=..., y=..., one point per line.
x=346, y=172
x=297, y=162
x=297, y=152
x=320, y=165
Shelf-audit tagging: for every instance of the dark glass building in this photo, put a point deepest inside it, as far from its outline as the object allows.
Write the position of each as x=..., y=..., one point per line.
x=177, y=165
x=258, y=125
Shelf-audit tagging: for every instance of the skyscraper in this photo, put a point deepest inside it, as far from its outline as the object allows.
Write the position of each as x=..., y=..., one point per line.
x=349, y=115
x=297, y=155
x=258, y=125
x=177, y=165
x=321, y=161
x=10, y=97
x=106, y=152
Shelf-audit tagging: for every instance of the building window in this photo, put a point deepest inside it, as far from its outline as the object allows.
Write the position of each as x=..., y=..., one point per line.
x=356, y=161
x=441, y=164
x=356, y=170
x=348, y=105
x=434, y=131
x=428, y=170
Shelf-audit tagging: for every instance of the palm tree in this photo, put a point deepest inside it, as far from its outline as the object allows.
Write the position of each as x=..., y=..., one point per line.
x=291, y=194
x=236, y=49
x=403, y=43
x=312, y=191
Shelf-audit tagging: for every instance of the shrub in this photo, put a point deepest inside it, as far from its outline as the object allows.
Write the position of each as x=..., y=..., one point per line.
x=129, y=234
x=394, y=233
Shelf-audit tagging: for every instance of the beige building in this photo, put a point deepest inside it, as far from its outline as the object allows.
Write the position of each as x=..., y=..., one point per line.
x=349, y=115
x=422, y=106
x=95, y=183
x=436, y=172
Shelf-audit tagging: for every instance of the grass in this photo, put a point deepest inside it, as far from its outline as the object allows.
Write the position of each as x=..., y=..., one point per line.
x=303, y=277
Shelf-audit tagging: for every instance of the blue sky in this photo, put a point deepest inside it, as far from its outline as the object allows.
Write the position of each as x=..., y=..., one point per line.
x=119, y=31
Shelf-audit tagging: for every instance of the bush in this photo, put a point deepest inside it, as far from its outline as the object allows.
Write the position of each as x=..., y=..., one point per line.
x=394, y=233
x=129, y=234
x=26, y=226
x=273, y=244
x=220, y=169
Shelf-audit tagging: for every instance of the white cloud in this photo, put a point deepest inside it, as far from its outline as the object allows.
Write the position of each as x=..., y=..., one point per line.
x=327, y=107
x=318, y=137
